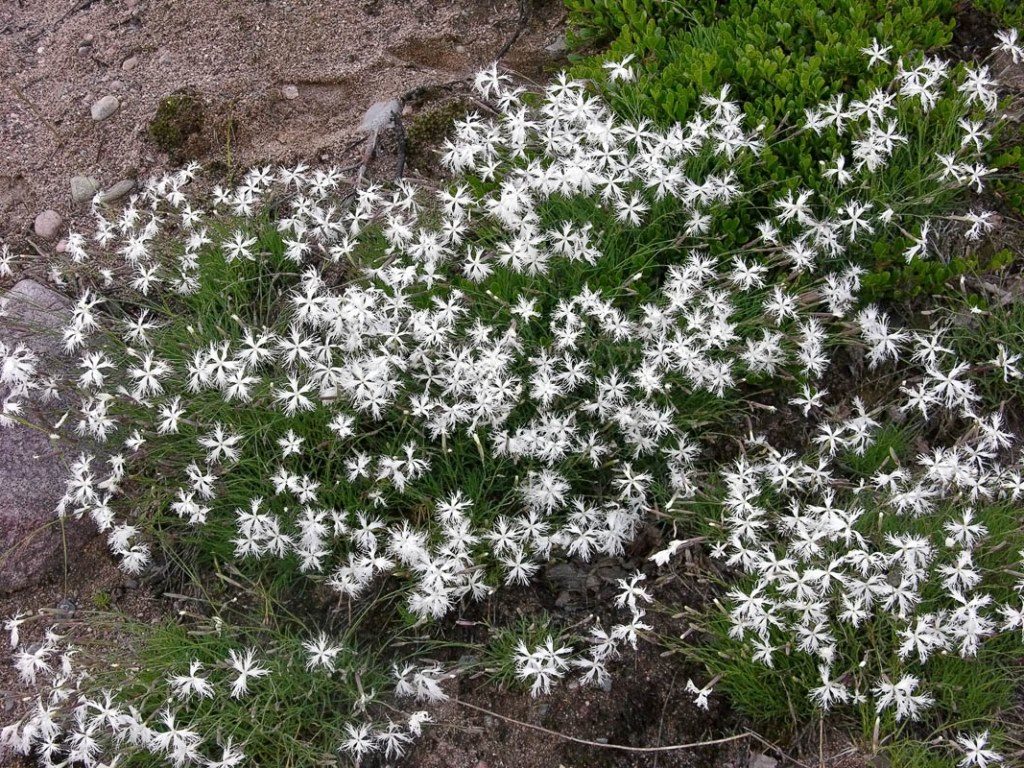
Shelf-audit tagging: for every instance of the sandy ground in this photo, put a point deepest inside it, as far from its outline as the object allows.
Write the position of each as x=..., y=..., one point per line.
x=282, y=79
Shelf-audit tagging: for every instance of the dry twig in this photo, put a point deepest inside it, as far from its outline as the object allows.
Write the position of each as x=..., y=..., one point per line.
x=624, y=748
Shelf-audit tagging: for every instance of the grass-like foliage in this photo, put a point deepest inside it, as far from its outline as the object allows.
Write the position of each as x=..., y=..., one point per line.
x=367, y=406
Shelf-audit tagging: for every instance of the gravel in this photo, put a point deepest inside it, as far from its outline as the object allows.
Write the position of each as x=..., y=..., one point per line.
x=341, y=56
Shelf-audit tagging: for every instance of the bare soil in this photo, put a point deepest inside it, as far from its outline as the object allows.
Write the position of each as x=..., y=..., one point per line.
x=279, y=79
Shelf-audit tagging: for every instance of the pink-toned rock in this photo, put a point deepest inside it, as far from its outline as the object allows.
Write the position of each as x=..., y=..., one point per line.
x=32, y=464
x=47, y=225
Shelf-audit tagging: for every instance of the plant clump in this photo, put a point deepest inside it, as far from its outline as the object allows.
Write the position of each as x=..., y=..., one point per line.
x=531, y=363
x=428, y=130
x=178, y=119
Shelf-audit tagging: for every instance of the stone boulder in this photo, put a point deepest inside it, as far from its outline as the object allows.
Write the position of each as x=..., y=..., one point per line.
x=33, y=541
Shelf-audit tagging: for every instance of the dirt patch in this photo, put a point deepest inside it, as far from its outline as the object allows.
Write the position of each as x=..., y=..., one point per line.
x=279, y=79
x=89, y=605
x=975, y=32
x=646, y=706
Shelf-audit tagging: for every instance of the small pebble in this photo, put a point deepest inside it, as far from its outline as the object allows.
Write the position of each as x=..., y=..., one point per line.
x=119, y=190
x=290, y=92
x=130, y=63
x=558, y=46
x=762, y=761
x=83, y=188
x=47, y=224
x=116, y=85
x=105, y=107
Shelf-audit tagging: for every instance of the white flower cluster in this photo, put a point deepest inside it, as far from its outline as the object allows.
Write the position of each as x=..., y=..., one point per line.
x=477, y=316
x=830, y=552
x=72, y=723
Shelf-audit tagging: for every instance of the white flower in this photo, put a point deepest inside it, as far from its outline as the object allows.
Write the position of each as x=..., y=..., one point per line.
x=192, y=684
x=1008, y=43
x=322, y=653
x=620, y=70
x=876, y=53
x=700, y=695
x=238, y=247
x=247, y=668
x=976, y=751
x=901, y=696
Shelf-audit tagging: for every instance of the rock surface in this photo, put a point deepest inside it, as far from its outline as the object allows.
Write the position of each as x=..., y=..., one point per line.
x=105, y=107
x=558, y=46
x=83, y=188
x=32, y=465
x=47, y=225
x=119, y=190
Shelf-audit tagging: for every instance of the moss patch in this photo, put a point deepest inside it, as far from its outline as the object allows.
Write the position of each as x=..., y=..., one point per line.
x=427, y=131
x=179, y=118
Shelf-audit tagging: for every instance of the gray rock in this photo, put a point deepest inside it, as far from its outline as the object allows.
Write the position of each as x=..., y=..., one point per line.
x=32, y=463
x=83, y=188
x=119, y=190
x=380, y=116
x=762, y=761
x=558, y=46
x=130, y=63
x=290, y=92
x=48, y=225
x=1011, y=75
x=68, y=608
x=105, y=107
